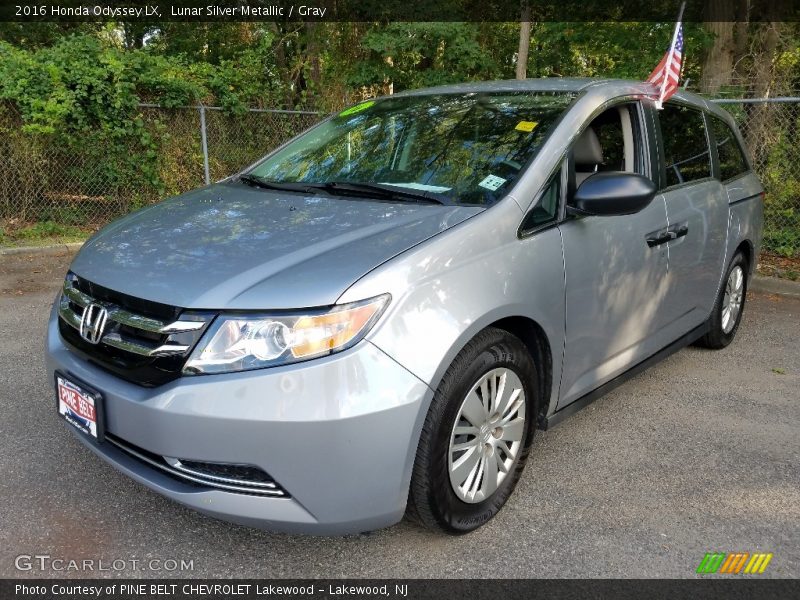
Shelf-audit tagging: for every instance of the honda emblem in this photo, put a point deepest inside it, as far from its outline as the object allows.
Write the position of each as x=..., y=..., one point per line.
x=93, y=323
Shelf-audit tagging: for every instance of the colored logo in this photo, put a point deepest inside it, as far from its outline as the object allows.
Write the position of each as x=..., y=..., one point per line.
x=734, y=562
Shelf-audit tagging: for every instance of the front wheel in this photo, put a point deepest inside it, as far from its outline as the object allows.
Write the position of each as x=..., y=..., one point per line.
x=727, y=314
x=476, y=435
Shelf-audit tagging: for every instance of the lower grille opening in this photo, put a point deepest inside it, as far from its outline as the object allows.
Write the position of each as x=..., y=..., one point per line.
x=235, y=478
x=224, y=471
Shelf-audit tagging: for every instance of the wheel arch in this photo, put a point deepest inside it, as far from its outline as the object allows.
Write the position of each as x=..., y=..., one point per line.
x=747, y=248
x=535, y=339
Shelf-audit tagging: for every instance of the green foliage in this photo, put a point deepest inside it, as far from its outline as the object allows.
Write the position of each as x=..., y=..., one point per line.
x=42, y=233
x=77, y=216
x=413, y=55
x=782, y=184
x=84, y=94
x=627, y=50
x=783, y=241
x=73, y=91
x=80, y=96
x=423, y=54
x=49, y=229
x=33, y=34
x=82, y=82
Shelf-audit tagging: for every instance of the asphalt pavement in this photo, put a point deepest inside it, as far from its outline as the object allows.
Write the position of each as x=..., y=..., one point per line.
x=700, y=453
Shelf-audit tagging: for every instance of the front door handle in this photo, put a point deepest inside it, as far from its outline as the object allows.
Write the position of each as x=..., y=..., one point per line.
x=662, y=237
x=679, y=230
x=654, y=240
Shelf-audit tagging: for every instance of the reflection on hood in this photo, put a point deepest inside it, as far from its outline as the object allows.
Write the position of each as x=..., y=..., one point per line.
x=229, y=246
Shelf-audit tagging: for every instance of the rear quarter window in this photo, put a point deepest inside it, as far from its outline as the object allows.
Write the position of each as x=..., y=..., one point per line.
x=686, y=154
x=732, y=161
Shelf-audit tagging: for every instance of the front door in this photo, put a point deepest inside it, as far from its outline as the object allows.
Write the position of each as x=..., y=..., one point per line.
x=615, y=288
x=615, y=280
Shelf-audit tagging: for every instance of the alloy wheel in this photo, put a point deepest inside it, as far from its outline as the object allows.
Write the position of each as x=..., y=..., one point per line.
x=732, y=300
x=487, y=435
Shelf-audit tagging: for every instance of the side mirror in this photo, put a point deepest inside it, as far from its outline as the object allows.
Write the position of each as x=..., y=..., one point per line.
x=610, y=193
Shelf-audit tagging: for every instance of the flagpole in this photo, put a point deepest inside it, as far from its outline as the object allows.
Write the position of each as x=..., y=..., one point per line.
x=669, y=60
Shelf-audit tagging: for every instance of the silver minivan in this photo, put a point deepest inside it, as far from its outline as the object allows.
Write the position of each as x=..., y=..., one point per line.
x=375, y=318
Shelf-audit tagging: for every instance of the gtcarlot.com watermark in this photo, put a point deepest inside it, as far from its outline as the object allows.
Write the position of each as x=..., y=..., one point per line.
x=46, y=563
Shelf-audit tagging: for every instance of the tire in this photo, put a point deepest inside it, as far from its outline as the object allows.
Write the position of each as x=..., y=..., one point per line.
x=435, y=501
x=722, y=325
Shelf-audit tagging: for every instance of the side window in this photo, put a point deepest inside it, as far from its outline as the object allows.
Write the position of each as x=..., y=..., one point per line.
x=731, y=158
x=609, y=133
x=547, y=208
x=611, y=142
x=686, y=154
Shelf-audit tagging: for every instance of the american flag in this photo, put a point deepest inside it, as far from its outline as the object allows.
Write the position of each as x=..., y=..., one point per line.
x=665, y=76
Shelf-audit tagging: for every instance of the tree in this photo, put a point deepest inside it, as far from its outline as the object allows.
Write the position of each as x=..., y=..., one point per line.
x=524, y=41
x=717, y=67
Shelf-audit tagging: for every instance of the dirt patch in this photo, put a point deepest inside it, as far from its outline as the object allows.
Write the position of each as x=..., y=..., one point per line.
x=22, y=274
x=773, y=265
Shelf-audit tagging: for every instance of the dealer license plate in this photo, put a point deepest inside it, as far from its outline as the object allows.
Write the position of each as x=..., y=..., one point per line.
x=81, y=407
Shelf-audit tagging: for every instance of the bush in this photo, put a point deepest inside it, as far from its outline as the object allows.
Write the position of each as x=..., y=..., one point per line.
x=48, y=229
x=77, y=103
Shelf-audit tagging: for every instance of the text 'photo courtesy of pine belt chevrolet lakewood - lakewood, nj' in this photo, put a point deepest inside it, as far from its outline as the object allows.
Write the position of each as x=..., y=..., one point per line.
x=375, y=318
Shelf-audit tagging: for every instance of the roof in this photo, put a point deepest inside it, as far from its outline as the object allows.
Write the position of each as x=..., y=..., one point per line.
x=608, y=88
x=554, y=84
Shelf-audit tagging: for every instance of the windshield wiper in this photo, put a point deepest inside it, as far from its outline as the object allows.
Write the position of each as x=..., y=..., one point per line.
x=371, y=190
x=383, y=190
x=284, y=186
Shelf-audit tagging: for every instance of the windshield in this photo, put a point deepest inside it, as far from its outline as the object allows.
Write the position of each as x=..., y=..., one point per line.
x=469, y=148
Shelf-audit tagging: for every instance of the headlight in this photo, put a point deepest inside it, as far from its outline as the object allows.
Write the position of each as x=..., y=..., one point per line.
x=238, y=342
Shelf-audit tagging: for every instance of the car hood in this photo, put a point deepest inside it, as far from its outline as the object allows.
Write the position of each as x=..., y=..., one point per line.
x=234, y=247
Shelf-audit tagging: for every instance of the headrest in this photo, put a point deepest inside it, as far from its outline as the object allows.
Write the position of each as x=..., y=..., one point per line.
x=587, y=150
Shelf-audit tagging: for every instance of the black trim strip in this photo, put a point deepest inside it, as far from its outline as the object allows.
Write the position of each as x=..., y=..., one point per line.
x=678, y=186
x=741, y=175
x=740, y=200
x=154, y=461
x=537, y=229
x=584, y=401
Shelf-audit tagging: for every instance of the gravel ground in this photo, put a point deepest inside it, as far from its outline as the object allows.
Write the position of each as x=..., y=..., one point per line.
x=700, y=453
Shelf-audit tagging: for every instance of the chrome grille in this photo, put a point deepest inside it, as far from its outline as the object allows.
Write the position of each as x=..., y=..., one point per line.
x=145, y=347
x=240, y=479
x=72, y=297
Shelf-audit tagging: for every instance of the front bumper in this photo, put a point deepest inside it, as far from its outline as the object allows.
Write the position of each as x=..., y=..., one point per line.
x=339, y=434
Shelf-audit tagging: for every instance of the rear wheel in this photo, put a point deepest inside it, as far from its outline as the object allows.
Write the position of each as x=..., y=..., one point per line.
x=476, y=435
x=727, y=314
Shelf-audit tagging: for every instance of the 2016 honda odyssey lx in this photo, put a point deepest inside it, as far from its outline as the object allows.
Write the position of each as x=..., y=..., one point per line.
x=376, y=317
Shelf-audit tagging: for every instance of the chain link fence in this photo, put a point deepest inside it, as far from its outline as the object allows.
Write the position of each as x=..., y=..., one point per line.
x=57, y=189
x=771, y=130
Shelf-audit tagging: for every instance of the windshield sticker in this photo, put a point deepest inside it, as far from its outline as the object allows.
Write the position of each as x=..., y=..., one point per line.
x=526, y=126
x=492, y=182
x=356, y=109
